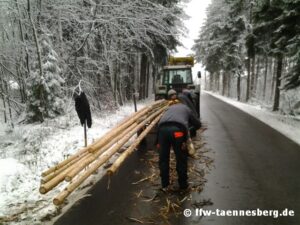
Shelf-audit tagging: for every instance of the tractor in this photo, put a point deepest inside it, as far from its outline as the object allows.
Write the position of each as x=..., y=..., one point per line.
x=177, y=75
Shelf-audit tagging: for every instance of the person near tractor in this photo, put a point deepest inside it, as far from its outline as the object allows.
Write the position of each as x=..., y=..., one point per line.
x=185, y=98
x=173, y=131
x=172, y=97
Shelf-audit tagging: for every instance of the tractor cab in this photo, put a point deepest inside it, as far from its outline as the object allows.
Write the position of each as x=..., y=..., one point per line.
x=176, y=75
x=177, y=78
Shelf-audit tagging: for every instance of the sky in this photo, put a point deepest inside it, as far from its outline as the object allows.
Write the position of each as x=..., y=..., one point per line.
x=196, y=9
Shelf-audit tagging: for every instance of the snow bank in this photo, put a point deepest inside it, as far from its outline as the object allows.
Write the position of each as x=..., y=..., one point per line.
x=12, y=176
x=286, y=124
x=28, y=150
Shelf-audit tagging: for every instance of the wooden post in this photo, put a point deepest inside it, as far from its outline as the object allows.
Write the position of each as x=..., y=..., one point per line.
x=134, y=101
x=85, y=135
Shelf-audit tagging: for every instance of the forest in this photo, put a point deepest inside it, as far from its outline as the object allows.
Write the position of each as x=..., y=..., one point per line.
x=113, y=48
x=251, y=51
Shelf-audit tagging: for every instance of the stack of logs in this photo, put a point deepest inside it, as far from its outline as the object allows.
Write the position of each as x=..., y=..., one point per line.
x=78, y=167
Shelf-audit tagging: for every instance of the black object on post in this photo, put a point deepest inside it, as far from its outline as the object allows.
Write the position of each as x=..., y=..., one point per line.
x=82, y=108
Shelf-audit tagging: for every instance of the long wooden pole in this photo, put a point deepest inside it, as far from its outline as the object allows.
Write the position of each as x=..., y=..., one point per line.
x=131, y=149
x=93, y=156
x=129, y=132
x=107, y=136
x=59, y=199
x=59, y=177
x=58, y=171
x=65, y=162
x=121, y=128
x=75, y=168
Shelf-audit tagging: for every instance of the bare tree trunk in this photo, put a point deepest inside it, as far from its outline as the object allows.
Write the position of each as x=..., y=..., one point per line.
x=115, y=77
x=265, y=77
x=20, y=82
x=218, y=81
x=273, y=79
x=212, y=81
x=250, y=47
x=256, y=76
x=37, y=45
x=113, y=80
x=8, y=104
x=215, y=82
x=270, y=78
x=284, y=70
x=23, y=38
x=252, y=94
x=248, y=80
x=143, y=75
x=239, y=87
x=136, y=70
x=120, y=81
x=3, y=100
x=98, y=91
x=228, y=84
x=278, y=82
x=147, y=80
x=155, y=75
x=38, y=51
x=224, y=83
x=211, y=78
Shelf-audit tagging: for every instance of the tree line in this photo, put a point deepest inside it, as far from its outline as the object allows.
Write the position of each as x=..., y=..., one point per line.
x=114, y=47
x=251, y=49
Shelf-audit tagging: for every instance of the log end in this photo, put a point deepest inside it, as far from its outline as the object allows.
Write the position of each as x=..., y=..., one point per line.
x=68, y=178
x=110, y=172
x=43, y=190
x=57, y=201
x=60, y=198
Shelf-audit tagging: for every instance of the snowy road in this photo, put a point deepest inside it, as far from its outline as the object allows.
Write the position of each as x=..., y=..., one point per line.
x=255, y=167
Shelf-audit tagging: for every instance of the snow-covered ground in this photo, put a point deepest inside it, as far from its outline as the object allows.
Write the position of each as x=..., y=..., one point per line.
x=285, y=124
x=28, y=150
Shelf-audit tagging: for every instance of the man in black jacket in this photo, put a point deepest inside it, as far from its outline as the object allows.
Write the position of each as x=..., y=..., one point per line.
x=173, y=131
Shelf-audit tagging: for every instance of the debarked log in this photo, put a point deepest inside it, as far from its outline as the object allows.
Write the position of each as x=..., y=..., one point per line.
x=59, y=199
x=131, y=149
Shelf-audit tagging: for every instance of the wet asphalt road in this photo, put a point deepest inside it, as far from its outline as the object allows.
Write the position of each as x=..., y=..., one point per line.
x=255, y=167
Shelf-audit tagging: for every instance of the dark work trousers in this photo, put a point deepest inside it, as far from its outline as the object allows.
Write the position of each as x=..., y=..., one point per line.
x=166, y=139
